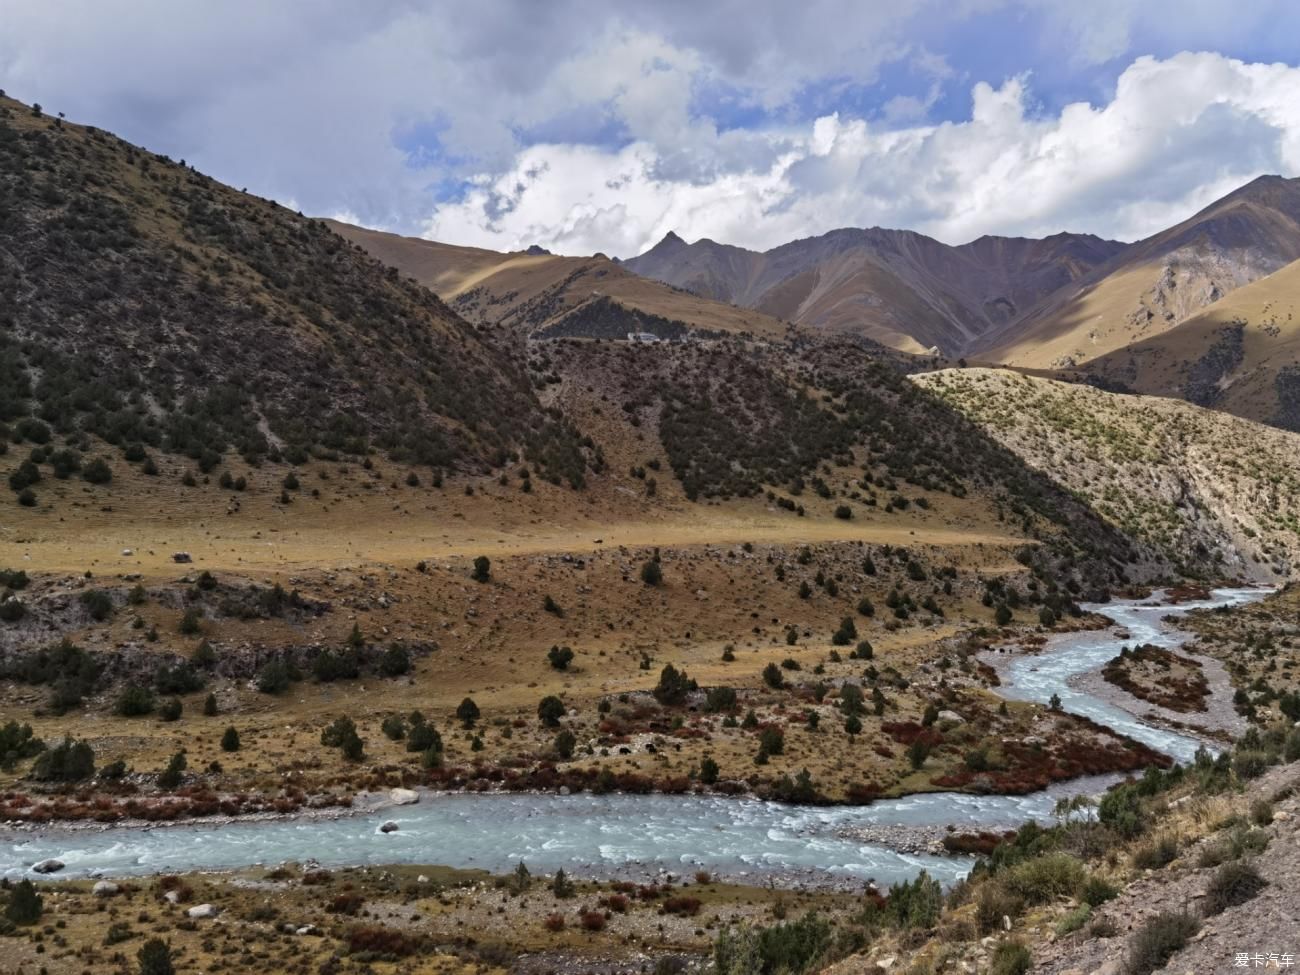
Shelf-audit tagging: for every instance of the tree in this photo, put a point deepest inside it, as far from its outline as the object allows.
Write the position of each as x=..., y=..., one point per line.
x=395, y=662
x=565, y=742
x=772, y=740
x=918, y=752
x=853, y=725
x=210, y=705
x=70, y=761
x=865, y=607
x=171, y=709
x=652, y=573
x=155, y=958
x=1002, y=615
x=482, y=569
x=134, y=701
x=673, y=687
x=521, y=879
x=467, y=711
x=25, y=905
x=355, y=640
x=274, y=677
x=191, y=622
x=773, y=677
x=230, y=740
x=97, y=472
x=342, y=734
x=1055, y=702
x=1046, y=616
x=561, y=885
x=550, y=710
x=709, y=770
x=170, y=777
x=846, y=634
x=560, y=657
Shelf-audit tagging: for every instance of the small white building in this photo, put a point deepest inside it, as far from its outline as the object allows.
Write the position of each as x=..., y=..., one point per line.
x=642, y=337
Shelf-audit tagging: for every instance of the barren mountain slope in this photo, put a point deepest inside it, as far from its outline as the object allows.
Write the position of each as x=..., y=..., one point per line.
x=900, y=288
x=1153, y=285
x=1181, y=478
x=145, y=304
x=1241, y=355
x=548, y=295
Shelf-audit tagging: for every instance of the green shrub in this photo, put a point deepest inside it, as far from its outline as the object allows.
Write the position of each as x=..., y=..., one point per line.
x=342, y=734
x=467, y=712
x=1156, y=941
x=482, y=569
x=230, y=740
x=69, y=761
x=135, y=701
x=25, y=904
x=1095, y=891
x=155, y=958
x=1158, y=853
x=1045, y=878
x=171, y=709
x=652, y=573
x=1074, y=920
x=915, y=904
x=1232, y=884
x=98, y=604
x=97, y=472
x=1010, y=958
x=559, y=657
x=993, y=903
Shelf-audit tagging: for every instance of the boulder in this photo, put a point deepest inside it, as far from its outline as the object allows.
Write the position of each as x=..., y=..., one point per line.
x=48, y=866
x=404, y=797
x=104, y=888
x=204, y=910
x=389, y=827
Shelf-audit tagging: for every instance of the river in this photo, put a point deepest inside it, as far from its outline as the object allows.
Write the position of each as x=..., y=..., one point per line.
x=623, y=835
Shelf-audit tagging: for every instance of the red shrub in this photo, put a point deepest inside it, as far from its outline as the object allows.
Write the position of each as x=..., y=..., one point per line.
x=681, y=904
x=554, y=922
x=593, y=920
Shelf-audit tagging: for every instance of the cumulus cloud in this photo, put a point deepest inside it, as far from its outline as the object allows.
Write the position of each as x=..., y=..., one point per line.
x=1177, y=134
x=585, y=125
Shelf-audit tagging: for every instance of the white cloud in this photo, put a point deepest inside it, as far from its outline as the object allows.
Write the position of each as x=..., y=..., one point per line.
x=1177, y=134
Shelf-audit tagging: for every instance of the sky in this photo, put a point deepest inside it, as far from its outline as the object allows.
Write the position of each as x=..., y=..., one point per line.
x=600, y=126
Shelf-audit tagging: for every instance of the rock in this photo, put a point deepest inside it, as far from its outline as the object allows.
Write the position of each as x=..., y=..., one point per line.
x=886, y=963
x=565, y=790
x=48, y=866
x=127, y=551
x=182, y=557
x=404, y=797
x=389, y=827
x=422, y=879
x=1111, y=967
x=104, y=888
x=308, y=929
x=204, y=910
x=951, y=716
x=172, y=897
x=1006, y=922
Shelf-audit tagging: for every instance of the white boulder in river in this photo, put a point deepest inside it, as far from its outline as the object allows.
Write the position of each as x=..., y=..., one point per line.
x=404, y=797
x=48, y=866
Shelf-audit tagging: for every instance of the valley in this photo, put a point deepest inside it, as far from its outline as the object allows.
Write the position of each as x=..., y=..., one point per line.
x=373, y=604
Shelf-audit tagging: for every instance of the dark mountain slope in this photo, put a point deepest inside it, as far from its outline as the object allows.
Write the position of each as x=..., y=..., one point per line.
x=142, y=302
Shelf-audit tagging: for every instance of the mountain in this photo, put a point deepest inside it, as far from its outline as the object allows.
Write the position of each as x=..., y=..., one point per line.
x=146, y=304
x=900, y=288
x=550, y=296
x=1214, y=493
x=1156, y=283
x=1241, y=355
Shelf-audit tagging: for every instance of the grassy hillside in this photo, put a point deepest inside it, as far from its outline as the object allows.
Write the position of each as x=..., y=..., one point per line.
x=1215, y=493
x=149, y=306
x=1241, y=355
x=1154, y=284
x=536, y=293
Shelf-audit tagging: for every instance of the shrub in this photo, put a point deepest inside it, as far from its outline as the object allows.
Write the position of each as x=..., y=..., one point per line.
x=98, y=604
x=1095, y=891
x=554, y=923
x=652, y=573
x=1156, y=854
x=565, y=742
x=171, y=709
x=342, y=734
x=1010, y=958
x=27, y=498
x=720, y=699
x=993, y=903
x=274, y=677
x=210, y=705
x=709, y=771
x=915, y=904
x=559, y=657
x=467, y=712
x=673, y=687
x=191, y=622
x=393, y=727
x=1074, y=920
x=155, y=958
x=97, y=472
x=69, y=761
x=682, y=905
x=592, y=920
x=773, y=677
x=395, y=661
x=1156, y=941
x=843, y=512
x=1232, y=884
x=170, y=777
x=230, y=740
x=135, y=701
x=846, y=634
x=25, y=904
x=422, y=737
x=1261, y=812
x=550, y=710
x=482, y=569
x=1045, y=878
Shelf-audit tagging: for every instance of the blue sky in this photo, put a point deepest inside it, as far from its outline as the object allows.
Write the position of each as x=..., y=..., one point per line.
x=586, y=126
